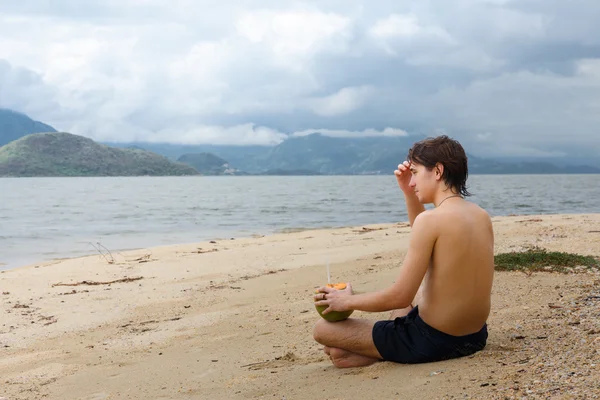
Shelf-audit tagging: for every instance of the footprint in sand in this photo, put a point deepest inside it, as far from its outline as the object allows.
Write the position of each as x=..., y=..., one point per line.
x=277, y=362
x=95, y=396
x=286, y=360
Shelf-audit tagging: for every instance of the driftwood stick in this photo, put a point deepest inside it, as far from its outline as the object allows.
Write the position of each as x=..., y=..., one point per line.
x=256, y=363
x=91, y=283
x=111, y=260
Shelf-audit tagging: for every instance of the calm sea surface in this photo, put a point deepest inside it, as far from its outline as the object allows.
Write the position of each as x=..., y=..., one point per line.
x=46, y=218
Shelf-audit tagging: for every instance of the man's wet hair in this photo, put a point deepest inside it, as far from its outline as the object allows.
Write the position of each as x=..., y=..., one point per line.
x=449, y=153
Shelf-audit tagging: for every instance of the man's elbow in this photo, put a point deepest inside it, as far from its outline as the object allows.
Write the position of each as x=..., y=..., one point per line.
x=404, y=304
x=400, y=300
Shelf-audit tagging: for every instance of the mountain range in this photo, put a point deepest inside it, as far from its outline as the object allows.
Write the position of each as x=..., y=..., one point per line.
x=53, y=153
x=320, y=154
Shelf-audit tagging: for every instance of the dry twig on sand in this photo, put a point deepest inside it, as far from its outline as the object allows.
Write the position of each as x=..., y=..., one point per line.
x=365, y=230
x=106, y=255
x=144, y=259
x=91, y=283
x=200, y=250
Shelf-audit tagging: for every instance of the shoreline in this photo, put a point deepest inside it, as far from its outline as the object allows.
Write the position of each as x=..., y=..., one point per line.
x=7, y=266
x=233, y=319
x=219, y=236
x=123, y=253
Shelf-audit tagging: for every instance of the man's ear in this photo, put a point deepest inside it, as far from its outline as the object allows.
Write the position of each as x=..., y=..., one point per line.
x=439, y=171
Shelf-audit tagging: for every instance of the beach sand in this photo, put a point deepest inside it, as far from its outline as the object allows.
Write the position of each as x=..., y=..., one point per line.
x=233, y=318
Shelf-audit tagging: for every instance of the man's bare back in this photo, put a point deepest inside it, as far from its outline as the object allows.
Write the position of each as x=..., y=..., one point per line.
x=455, y=295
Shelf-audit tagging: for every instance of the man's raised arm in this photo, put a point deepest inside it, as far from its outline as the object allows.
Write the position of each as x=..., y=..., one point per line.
x=413, y=205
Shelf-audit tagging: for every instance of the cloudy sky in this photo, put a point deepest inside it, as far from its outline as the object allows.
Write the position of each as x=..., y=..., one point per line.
x=505, y=77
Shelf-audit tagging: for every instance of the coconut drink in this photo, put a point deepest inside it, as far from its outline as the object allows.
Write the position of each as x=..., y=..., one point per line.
x=334, y=316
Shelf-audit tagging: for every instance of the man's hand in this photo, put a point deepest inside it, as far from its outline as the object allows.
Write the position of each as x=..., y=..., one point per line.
x=337, y=300
x=403, y=176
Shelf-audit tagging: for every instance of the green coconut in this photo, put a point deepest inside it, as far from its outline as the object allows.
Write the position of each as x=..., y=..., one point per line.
x=334, y=316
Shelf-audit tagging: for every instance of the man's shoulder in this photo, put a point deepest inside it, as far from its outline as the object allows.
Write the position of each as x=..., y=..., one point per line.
x=479, y=211
x=425, y=216
x=451, y=215
x=425, y=227
x=426, y=221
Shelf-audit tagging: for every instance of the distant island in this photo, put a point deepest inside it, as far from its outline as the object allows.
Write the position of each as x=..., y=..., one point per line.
x=64, y=154
x=32, y=148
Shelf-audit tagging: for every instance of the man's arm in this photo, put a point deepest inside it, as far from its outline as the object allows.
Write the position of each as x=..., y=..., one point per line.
x=413, y=205
x=414, y=268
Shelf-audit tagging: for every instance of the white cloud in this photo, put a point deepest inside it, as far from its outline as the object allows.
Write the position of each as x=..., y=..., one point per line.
x=22, y=90
x=291, y=32
x=483, y=137
x=245, y=134
x=524, y=113
x=505, y=72
x=350, y=134
x=511, y=24
x=293, y=36
x=589, y=69
x=396, y=25
x=342, y=102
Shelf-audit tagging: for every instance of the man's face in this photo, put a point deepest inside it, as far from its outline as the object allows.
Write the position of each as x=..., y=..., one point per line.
x=423, y=182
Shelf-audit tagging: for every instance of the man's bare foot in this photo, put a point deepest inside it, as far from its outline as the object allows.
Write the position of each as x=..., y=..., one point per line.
x=345, y=359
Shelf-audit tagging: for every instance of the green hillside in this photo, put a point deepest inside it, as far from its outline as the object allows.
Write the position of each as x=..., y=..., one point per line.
x=64, y=154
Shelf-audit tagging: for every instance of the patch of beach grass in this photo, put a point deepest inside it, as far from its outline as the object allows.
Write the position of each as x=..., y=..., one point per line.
x=539, y=259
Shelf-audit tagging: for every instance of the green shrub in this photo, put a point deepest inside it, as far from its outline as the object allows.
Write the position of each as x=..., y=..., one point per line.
x=538, y=259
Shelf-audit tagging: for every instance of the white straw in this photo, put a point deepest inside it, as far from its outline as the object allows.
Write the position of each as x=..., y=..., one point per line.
x=328, y=275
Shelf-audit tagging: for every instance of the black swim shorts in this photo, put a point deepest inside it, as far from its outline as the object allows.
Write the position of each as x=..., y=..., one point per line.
x=409, y=340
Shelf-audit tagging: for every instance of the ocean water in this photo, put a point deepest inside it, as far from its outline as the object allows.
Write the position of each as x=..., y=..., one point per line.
x=47, y=218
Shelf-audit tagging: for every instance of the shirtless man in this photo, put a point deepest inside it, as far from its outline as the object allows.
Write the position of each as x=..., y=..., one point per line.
x=441, y=298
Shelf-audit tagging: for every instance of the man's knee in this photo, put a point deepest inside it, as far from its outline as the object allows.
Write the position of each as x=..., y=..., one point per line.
x=320, y=331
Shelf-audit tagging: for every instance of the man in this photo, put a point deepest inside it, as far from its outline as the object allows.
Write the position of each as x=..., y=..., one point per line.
x=441, y=298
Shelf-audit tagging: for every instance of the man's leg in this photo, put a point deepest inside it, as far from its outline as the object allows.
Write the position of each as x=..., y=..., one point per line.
x=348, y=343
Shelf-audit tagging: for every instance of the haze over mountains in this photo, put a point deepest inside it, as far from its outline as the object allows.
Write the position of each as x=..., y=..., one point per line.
x=14, y=125
x=71, y=155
